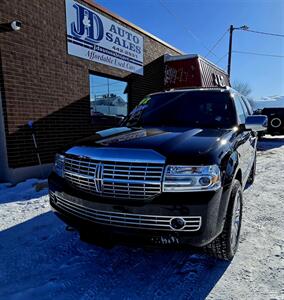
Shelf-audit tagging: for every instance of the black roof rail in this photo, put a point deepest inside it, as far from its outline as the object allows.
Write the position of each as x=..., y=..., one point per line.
x=199, y=88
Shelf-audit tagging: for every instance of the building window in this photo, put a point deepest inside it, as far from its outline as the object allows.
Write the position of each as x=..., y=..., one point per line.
x=109, y=99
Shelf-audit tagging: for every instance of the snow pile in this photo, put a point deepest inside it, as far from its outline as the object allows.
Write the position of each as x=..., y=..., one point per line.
x=21, y=202
x=24, y=190
x=273, y=101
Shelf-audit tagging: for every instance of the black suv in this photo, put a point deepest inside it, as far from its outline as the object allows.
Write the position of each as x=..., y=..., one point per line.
x=173, y=173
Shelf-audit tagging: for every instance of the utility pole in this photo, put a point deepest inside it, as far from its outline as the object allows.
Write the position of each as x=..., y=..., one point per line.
x=232, y=28
x=107, y=87
x=230, y=50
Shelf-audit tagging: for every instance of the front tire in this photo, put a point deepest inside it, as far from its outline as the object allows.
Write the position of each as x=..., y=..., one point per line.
x=226, y=244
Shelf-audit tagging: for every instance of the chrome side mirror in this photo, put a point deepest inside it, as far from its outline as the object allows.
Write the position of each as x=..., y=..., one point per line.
x=256, y=123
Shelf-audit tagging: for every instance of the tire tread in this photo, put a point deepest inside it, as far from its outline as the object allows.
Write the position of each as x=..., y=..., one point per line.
x=220, y=247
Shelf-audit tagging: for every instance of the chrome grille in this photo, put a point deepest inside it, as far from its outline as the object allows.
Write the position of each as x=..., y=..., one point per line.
x=81, y=172
x=139, y=221
x=131, y=180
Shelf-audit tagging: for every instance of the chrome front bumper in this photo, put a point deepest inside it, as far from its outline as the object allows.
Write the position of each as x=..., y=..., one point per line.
x=84, y=211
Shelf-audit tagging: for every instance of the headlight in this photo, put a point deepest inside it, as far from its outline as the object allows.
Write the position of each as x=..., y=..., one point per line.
x=191, y=178
x=59, y=165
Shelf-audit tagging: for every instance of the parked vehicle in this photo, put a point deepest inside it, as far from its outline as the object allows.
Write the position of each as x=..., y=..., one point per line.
x=100, y=119
x=275, y=117
x=173, y=173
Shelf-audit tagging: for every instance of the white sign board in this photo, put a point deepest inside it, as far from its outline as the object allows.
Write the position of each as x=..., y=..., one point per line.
x=92, y=36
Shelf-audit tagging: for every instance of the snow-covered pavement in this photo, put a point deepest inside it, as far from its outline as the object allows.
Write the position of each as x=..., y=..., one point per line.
x=40, y=260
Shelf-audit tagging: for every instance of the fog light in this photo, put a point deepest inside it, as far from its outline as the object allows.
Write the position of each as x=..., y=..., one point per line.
x=204, y=181
x=177, y=223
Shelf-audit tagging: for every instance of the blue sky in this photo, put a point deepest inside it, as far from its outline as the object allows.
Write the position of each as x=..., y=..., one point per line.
x=208, y=20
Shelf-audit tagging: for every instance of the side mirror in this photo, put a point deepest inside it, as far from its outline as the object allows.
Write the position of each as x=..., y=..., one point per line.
x=256, y=123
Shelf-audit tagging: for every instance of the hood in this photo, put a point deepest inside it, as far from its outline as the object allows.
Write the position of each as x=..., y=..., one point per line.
x=178, y=145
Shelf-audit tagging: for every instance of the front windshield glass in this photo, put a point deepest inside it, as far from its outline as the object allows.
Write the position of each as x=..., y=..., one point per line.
x=203, y=109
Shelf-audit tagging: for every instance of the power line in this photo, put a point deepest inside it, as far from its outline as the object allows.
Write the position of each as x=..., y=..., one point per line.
x=218, y=41
x=185, y=28
x=265, y=33
x=221, y=58
x=259, y=54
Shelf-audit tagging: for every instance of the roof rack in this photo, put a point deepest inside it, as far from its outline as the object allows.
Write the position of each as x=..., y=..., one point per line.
x=199, y=88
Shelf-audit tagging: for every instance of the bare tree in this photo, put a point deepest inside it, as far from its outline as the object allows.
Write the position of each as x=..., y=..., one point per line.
x=252, y=103
x=242, y=87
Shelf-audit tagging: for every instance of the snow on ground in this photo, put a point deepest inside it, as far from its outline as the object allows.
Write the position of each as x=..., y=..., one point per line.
x=20, y=203
x=40, y=260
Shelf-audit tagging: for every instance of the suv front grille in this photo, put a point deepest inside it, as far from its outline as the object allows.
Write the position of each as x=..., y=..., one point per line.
x=131, y=180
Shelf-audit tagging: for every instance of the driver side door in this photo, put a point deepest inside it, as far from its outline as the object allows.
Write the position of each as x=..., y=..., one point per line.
x=245, y=139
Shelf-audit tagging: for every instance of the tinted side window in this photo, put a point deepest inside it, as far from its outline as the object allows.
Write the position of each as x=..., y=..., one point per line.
x=240, y=110
x=248, y=106
x=244, y=106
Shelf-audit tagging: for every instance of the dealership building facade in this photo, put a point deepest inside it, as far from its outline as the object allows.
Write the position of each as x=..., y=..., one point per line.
x=73, y=68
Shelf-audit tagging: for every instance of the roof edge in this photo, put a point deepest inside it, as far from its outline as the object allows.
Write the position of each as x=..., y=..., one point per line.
x=113, y=15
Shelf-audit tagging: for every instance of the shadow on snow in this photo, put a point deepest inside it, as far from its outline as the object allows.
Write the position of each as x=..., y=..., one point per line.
x=40, y=260
x=23, y=191
x=268, y=143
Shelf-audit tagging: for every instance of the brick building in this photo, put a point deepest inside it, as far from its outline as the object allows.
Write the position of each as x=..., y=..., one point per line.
x=45, y=77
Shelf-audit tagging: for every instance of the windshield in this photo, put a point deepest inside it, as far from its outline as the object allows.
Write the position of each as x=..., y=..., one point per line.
x=203, y=109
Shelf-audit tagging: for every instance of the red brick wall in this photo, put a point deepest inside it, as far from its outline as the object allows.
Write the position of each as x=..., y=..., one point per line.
x=41, y=82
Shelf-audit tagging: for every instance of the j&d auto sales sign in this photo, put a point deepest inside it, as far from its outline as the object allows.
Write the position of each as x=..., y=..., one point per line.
x=92, y=36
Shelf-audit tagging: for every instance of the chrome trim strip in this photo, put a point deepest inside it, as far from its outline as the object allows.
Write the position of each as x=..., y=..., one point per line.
x=108, y=165
x=98, y=178
x=129, y=220
x=149, y=188
x=131, y=181
x=118, y=154
x=78, y=175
